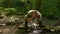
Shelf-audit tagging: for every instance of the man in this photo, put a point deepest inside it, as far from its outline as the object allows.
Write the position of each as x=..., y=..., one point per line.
x=33, y=18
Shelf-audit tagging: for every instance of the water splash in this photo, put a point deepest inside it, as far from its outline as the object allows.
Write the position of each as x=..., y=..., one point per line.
x=36, y=29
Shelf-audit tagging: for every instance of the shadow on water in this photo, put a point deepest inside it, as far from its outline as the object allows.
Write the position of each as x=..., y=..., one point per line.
x=34, y=31
x=22, y=31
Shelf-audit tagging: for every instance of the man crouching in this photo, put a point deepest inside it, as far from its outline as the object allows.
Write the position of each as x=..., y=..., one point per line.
x=33, y=18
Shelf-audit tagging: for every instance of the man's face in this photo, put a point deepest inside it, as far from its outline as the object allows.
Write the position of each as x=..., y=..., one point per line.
x=34, y=15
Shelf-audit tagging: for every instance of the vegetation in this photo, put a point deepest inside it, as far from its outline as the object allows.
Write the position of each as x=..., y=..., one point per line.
x=22, y=6
x=48, y=8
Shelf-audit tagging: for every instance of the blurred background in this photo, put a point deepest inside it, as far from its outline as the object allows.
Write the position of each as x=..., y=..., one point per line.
x=50, y=10
x=22, y=6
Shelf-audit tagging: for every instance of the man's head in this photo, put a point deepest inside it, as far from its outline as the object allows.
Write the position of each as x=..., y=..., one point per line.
x=34, y=13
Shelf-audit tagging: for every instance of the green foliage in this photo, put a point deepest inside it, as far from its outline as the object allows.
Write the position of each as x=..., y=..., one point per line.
x=22, y=6
x=49, y=7
x=9, y=9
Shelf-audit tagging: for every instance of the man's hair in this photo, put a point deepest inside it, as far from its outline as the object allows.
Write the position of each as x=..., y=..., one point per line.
x=29, y=12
